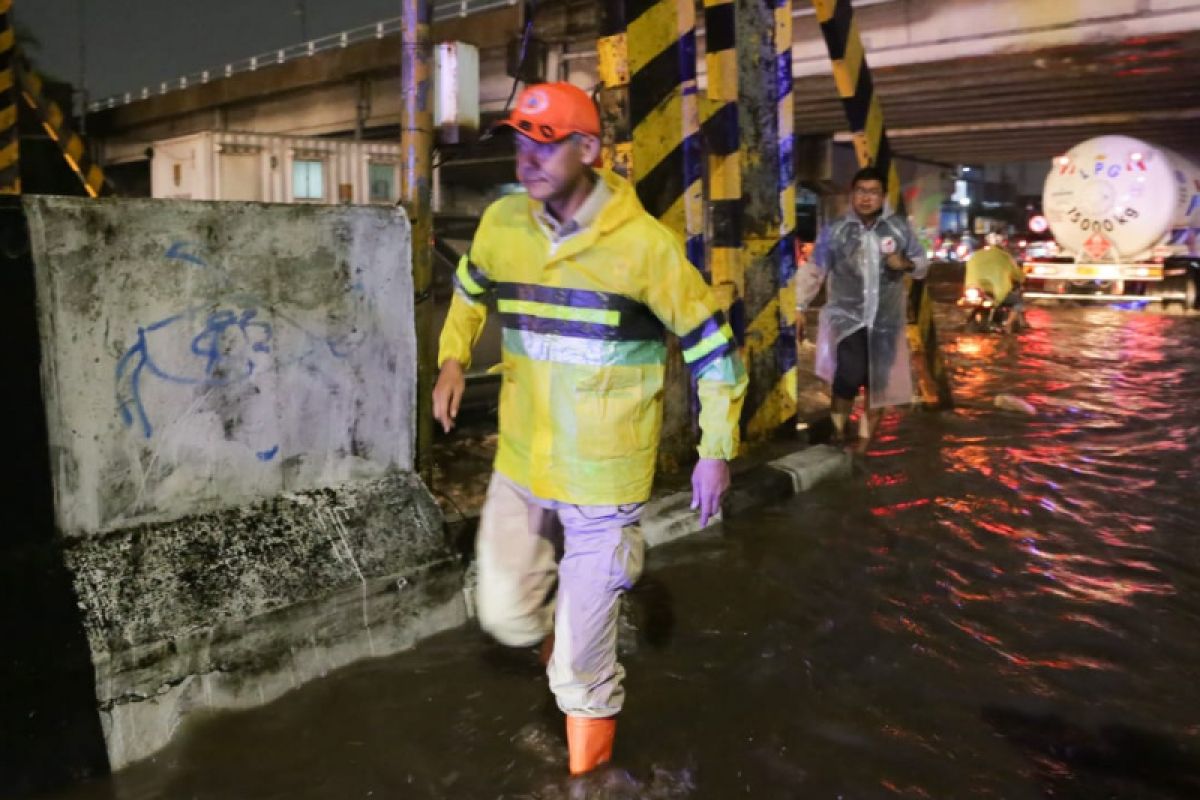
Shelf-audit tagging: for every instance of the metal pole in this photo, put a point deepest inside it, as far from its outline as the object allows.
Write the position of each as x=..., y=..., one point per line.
x=416, y=171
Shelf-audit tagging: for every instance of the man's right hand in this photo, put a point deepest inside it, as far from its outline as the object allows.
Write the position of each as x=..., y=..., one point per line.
x=448, y=393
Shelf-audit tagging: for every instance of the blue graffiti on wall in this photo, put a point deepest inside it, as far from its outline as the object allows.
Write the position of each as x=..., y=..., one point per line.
x=232, y=345
x=181, y=251
x=223, y=352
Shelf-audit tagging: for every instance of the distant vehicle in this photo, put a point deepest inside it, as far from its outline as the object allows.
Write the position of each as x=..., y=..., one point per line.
x=1031, y=248
x=954, y=248
x=1126, y=217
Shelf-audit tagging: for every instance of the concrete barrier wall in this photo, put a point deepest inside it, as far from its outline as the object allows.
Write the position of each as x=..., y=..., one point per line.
x=230, y=396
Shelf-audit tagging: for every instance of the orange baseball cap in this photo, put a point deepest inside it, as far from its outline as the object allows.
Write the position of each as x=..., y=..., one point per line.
x=548, y=112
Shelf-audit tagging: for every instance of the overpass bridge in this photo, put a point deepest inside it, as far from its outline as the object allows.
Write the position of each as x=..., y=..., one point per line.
x=961, y=81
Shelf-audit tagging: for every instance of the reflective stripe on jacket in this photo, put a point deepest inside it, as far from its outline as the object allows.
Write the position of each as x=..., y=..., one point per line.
x=583, y=350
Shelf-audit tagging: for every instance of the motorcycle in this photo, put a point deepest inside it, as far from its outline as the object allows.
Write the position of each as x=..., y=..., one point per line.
x=984, y=313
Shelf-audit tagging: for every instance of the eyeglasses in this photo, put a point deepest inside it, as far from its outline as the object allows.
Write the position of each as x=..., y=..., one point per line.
x=861, y=192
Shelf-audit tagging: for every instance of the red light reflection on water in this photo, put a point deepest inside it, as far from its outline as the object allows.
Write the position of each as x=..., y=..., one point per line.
x=896, y=508
x=1089, y=377
x=1140, y=71
x=903, y=791
x=1062, y=662
x=879, y=480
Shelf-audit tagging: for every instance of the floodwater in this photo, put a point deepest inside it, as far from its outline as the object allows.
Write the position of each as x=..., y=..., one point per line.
x=996, y=605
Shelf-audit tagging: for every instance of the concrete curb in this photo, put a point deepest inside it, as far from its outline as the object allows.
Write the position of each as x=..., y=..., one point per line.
x=670, y=517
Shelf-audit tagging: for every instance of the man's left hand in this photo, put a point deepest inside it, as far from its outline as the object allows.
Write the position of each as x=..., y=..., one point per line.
x=710, y=479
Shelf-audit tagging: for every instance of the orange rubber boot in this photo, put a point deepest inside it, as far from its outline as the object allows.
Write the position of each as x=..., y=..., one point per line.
x=590, y=742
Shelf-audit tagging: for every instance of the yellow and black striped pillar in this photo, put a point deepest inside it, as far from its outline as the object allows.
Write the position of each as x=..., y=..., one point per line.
x=58, y=128
x=719, y=127
x=864, y=112
x=650, y=110
x=763, y=45
x=613, y=65
x=666, y=153
x=10, y=140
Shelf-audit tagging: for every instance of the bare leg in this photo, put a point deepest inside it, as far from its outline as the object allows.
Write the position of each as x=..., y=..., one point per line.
x=839, y=412
x=868, y=422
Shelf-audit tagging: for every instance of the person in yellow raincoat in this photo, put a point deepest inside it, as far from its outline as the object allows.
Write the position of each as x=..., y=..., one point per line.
x=585, y=282
x=994, y=271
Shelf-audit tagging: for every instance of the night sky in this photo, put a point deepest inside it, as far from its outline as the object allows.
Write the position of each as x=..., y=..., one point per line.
x=133, y=43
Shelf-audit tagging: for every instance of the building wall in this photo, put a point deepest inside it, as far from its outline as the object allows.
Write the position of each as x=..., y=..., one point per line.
x=219, y=165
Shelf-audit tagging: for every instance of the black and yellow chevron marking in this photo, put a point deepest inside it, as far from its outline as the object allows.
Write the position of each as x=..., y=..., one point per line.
x=865, y=115
x=57, y=127
x=664, y=116
x=780, y=404
x=10, y=147
x=719, y=127
x=651, y=118
x=864, y=111
x=613, y=56
x=769, y=220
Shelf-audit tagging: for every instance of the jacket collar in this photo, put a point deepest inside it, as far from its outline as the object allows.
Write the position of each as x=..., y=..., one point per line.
x=622, y=206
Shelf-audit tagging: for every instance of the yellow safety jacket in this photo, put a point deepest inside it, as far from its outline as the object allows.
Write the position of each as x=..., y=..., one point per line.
x=992, y=268
x=583, y=349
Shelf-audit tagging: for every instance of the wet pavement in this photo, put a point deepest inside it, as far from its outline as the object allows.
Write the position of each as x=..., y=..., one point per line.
x=997, y=605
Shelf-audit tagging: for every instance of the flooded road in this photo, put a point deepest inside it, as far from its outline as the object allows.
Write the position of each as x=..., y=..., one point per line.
x=997, y=605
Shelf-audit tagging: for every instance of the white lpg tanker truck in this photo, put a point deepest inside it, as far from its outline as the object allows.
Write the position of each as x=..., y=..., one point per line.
x=1126, y=216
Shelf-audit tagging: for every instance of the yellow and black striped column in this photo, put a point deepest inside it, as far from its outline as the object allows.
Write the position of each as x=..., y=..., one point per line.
x=613, y=56
x=719, y=127
x=864, y=112
x=863, y=109
x=667, y=167
x=764, y=40
x=650, y=110
x=10, y=146
x=58, y=128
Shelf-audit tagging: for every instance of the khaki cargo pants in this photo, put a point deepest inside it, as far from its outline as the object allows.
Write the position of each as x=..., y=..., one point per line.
x=602, y=557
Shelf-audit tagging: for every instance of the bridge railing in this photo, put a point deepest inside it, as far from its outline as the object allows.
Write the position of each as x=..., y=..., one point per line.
x=442, y=10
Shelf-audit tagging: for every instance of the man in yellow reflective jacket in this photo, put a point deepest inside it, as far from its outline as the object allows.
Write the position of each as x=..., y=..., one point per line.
x=585, y=282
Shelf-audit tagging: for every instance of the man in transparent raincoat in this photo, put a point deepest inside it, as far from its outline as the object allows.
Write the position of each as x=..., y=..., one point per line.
x=586, y=282
x=861, y=340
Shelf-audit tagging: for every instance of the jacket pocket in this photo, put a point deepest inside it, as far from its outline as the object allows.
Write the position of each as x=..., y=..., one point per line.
x=614, y=414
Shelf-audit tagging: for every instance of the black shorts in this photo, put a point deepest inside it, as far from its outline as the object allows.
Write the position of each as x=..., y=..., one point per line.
x=852, y=366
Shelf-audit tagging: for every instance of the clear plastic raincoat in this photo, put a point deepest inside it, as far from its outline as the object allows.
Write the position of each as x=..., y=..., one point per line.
x=863, y=292
x=583, y=350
